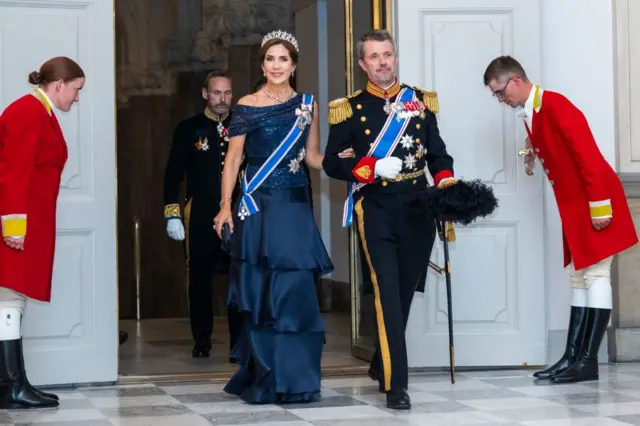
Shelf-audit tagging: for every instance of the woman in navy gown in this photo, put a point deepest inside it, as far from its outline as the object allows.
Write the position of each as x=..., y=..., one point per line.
x=276, y=249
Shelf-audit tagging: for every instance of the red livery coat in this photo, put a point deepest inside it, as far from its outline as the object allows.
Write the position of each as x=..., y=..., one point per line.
x=33, y=153
x=583, y=182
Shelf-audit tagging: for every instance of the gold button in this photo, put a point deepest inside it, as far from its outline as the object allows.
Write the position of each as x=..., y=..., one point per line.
x=367, y=132
x=415, y=181
x=223, y=153
x=371, y=144
x=417, y=140
x=359, y=106
x=221, y=143
x=385, y=183
x=222, y=163
x=418, y=126
x=363, y=119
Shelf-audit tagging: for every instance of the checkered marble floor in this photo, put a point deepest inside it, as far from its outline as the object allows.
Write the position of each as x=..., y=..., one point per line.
x=477, y=398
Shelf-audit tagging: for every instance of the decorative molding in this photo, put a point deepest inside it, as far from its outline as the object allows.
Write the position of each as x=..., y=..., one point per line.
x=237, y=22
x=622, y=75
x=156, y=39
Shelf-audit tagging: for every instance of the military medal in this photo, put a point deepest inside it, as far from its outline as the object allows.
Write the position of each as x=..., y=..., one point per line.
x=202, y=145
x=387, y=106
x=304, y=115
x=222, y=132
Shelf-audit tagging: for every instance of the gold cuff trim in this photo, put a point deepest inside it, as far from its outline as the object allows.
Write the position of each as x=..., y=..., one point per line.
x=14, y=225
x=600, y=210
x=172, y=210
x=364, y=172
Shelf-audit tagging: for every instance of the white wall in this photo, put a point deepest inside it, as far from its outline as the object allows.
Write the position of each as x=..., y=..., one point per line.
x=577, y=60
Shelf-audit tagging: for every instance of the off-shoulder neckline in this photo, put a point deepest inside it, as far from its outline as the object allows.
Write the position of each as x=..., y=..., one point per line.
x=296, y=97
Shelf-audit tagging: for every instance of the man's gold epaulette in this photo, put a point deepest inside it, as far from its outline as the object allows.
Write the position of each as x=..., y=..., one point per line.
x=430, y=99
x=340, y=109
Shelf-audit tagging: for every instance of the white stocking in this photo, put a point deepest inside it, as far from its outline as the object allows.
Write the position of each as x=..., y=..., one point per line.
x=12, y=306
x=10, y=324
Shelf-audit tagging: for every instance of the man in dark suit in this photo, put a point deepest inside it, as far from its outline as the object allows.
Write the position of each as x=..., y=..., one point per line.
x=198, y=152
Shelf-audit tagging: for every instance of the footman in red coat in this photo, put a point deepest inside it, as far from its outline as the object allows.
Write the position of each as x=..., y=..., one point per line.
x=33, y=153
x=596, y=221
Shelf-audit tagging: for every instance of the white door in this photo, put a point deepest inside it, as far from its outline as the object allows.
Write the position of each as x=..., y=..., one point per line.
x=73, y=339
x=497, y=264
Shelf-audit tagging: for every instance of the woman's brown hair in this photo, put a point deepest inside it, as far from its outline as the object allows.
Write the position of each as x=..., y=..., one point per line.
x=293, y=53
x=59, y=68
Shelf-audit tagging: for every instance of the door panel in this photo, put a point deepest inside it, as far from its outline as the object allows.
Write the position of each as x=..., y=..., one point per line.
x=497, y=264
x=73, y=339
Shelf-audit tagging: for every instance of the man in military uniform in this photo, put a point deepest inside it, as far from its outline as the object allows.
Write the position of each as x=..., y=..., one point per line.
x=198, y=151
x=394, y=133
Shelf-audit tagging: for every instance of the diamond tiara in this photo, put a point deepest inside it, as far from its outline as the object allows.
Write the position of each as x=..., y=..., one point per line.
x=281, y=35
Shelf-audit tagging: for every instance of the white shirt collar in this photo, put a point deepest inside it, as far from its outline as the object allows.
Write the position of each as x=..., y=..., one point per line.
x=526, y=112
x=53, y=106
x=531, y=100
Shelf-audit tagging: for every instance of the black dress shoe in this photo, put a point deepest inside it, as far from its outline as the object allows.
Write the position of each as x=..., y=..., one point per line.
x=15, y=389
x=586, y=367
x=201, y=350
x=575, y=336
x=398, y=399
x=123, y=337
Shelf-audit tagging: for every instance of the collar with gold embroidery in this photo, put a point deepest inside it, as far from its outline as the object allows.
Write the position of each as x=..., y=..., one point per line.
x=379, y=92
x=215, y=117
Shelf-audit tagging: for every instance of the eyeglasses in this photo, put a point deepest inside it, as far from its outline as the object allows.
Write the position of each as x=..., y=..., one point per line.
x=500, y=93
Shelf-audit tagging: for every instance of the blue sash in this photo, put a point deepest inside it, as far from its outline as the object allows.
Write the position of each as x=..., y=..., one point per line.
x=383, y=147
x=248, y=205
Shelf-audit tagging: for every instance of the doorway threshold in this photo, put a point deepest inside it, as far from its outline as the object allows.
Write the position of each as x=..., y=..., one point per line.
x=221, y=377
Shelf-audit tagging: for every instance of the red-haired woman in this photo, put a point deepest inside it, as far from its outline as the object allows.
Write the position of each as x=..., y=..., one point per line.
x=33, y=153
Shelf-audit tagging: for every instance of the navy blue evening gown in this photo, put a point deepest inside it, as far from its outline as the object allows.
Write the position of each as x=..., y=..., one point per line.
x=277, y=254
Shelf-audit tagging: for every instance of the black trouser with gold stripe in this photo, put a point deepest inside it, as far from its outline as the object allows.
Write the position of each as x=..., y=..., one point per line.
x=205, y=258
x=397, y=238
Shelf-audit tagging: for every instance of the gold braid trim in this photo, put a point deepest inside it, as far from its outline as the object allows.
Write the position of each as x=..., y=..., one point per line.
x=340, y=109
x=430, y=99
x=172, y=210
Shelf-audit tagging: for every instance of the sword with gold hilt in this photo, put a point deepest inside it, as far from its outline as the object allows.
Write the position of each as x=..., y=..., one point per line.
x=447, y=234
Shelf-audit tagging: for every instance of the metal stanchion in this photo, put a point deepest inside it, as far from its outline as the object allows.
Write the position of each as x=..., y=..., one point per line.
x=136, y=254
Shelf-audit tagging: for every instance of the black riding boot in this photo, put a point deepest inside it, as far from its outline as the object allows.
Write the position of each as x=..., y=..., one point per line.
x=15, y=389
x=575, y=335
x=36, y=390
x=586, y=367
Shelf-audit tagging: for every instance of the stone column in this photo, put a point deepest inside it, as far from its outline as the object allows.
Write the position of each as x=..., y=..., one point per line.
x=624, y=334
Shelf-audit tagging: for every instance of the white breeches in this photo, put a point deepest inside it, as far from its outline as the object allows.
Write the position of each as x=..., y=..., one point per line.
x=592, y=285
x=12, y=306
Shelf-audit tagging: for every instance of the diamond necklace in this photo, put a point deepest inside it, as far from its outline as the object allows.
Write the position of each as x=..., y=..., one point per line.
x=272, y=96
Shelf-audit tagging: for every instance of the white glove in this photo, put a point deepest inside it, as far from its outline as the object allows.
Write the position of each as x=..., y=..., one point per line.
x=388, y=168
x=175, y=229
